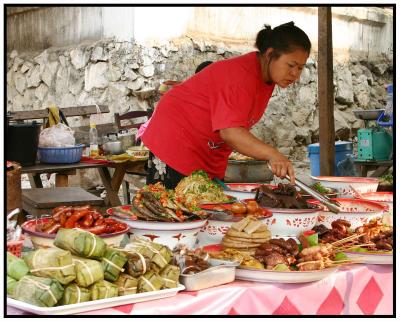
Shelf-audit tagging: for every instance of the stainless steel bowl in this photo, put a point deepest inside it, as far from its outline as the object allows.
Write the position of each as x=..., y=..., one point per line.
x=113, y=147
x=248, y=171
x=368, y=114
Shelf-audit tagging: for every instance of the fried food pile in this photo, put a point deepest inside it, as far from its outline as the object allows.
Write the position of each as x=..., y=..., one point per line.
x=340, y=229
x=246, y=235
x=380, y=235
x=277, y=251
x=155, y=202
x=316, y=257
x=373, y=236
x=190, y=261
x=234, y=255
x=284, y=196
x=248, y=242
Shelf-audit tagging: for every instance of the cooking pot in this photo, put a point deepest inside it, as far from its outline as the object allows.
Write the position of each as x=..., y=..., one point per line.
x=111, y=144
x=248, y=171
x=113, y=147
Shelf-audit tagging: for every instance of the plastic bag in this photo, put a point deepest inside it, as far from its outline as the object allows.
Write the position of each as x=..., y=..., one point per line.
x=141, y=129
x=58, y=135
x=346, y=167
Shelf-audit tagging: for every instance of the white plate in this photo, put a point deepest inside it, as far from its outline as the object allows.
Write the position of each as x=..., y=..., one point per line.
x=269, y=276
x=368, y=258
x=94, y=305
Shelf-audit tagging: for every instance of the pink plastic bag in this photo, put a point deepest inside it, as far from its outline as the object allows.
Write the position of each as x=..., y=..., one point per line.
x=142, y=128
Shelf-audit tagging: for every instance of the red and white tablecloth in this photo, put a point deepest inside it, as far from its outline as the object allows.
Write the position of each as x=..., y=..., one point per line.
x=356, y=289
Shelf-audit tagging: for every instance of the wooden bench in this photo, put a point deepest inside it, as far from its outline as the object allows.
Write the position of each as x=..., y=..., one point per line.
x=81, y=132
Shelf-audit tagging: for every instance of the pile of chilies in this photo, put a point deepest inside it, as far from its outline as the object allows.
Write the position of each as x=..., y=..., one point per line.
x=83, y=217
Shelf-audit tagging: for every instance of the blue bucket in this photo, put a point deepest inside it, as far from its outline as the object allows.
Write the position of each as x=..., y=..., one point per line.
x=342, y=148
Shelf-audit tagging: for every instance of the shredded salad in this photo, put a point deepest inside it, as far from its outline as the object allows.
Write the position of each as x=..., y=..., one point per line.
x=199, y=188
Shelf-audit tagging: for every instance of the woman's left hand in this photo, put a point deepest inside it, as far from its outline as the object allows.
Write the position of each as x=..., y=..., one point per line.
x=281, y=166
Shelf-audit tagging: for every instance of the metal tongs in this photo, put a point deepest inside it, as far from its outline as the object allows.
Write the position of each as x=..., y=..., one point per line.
x=332, y=205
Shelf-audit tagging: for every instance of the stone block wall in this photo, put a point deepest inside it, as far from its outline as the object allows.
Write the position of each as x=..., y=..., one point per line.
x=110, y=72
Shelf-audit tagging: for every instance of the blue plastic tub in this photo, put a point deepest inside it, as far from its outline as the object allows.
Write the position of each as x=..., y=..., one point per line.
x=61, y=155
x=342, y=148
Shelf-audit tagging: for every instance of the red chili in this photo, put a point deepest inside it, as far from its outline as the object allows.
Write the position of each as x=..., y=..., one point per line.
x=96, y=215
x=70, y=223
x=63, y=219
x=308, y=233
x=99, y=221
x=47, y=225
x=85, y=207
x=53, y=229
x=87, y=221
x=120, y=226
x=110, y=229
x=57, y=215
x=97, y=230
x=57, y=209
x=110, y=221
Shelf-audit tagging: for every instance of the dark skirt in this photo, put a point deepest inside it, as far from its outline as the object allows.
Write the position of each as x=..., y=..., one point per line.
x=158, y=171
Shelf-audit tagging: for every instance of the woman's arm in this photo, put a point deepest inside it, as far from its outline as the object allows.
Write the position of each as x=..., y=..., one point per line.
x=242, y=141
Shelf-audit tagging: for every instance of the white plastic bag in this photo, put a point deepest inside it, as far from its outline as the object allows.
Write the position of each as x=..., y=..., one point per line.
x=58, y=135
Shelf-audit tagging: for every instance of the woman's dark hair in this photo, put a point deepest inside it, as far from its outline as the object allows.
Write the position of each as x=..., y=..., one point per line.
x=284, y=38
x=203, y=65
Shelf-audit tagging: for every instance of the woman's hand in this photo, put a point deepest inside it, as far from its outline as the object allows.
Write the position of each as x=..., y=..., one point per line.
x=242, y=141
x=281, y=166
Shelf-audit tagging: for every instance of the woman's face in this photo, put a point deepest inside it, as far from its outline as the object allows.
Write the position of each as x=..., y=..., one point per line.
x=286, y=69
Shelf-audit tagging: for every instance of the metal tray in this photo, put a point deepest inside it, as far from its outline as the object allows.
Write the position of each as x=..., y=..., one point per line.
x=221, y=272
x=368, y=114
x=94, y=305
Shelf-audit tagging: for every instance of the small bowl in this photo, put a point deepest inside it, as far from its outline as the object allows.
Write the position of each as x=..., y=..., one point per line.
x=385, y=199
x=43, y=240
x=342, y=184
x=138, y=152
x=356, y=211
x=290, y=223
x=242, y=191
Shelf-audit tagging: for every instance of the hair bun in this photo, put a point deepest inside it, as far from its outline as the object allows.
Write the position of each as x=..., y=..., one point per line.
x=288, y=24
x=267, y=27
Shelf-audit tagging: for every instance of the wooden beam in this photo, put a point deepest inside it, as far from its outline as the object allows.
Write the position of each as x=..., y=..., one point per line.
x=68, y=111
x=325, y=93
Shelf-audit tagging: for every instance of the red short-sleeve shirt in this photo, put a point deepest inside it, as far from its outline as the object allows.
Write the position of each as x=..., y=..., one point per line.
x=184, y=129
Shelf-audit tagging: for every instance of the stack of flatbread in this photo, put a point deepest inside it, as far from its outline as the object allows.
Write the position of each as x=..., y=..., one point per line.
x=246, y=235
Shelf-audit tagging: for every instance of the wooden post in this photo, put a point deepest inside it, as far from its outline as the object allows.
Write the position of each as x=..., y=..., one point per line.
x=325, y=93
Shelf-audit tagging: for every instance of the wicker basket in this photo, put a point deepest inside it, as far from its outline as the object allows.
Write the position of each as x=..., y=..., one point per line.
x=14, y=191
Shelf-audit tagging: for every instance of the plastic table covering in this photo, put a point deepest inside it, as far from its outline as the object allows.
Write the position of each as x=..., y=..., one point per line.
x=352, y=290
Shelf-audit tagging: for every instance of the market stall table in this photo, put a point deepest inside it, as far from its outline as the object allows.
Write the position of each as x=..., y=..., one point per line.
x=380, y=167
x=111, y=183
x=353, y=290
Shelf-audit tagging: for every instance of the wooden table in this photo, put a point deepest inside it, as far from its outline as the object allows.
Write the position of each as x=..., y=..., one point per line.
x=62, y=171
x=380, y=167
x=36, y=201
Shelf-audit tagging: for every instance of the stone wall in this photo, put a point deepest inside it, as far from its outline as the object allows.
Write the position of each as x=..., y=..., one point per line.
x=112, y=73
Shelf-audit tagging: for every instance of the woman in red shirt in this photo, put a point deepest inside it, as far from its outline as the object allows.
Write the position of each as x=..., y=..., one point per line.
x=198, y=123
